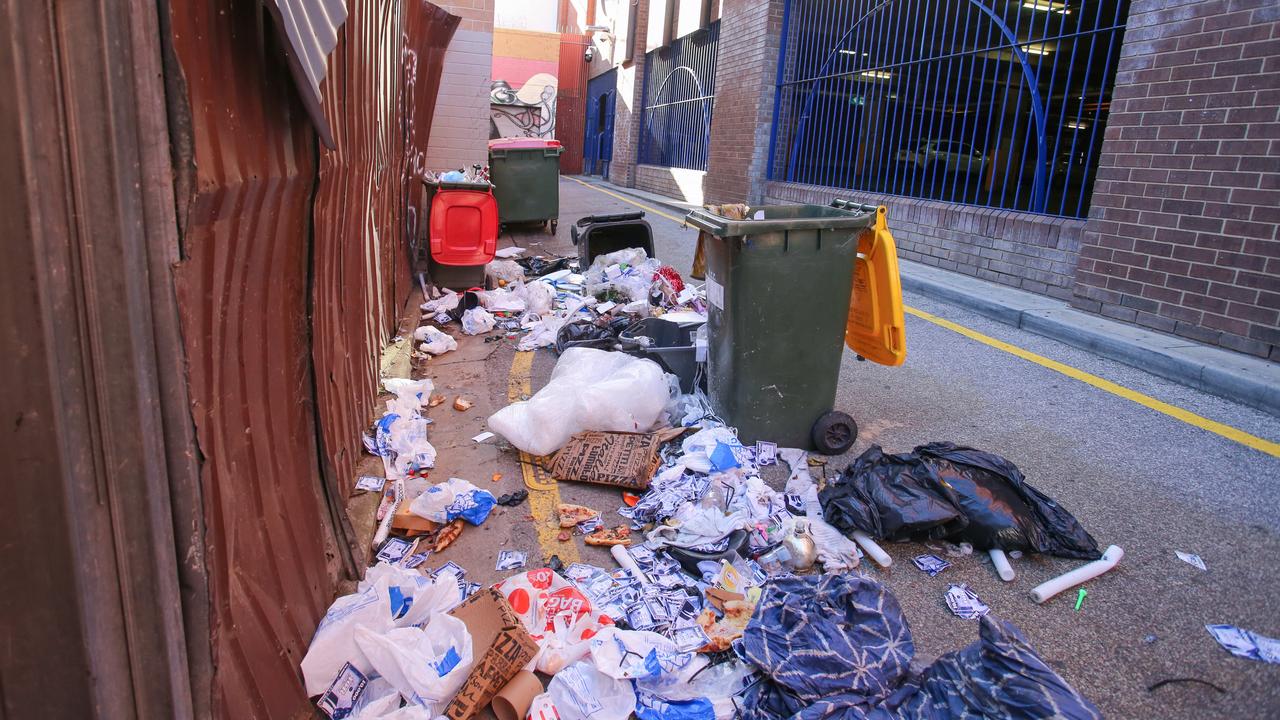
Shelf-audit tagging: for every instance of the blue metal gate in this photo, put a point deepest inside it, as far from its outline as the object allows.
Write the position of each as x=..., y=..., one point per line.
x=983, y=102
x=679, y=90
x=597, y=144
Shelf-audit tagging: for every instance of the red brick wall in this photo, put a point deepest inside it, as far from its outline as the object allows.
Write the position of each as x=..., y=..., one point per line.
x=746, y=70
x=1182, y=236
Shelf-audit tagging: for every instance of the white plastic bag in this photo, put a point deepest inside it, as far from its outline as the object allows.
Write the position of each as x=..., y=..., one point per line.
x=444, y=303
x=638, y=654
x=454, y=498
x=388, y=598
x=434, y=340
x=589, y=390
x=538, y=297
x=504, y=272
x=580, y=692
x=477, y=321
x=501, y=300
x=426, y=666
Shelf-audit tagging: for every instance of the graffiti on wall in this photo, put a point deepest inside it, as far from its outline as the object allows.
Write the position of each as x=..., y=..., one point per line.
x=527, y=112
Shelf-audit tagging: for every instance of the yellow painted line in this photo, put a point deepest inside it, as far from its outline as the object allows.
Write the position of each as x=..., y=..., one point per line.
x=628, y=200
x=544, y=491
x=1172, y=411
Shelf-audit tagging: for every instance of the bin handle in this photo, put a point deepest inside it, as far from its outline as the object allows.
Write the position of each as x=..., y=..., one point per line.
x=843, y=204
x=704, y=220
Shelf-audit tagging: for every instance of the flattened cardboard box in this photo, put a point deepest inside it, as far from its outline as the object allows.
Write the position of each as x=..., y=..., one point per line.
x=621, y=459
x=501, y=646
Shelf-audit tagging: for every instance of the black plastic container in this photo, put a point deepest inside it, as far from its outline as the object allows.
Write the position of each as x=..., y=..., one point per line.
x=602, y=234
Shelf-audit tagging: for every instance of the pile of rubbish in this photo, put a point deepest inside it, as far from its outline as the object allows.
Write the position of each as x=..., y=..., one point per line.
x=726, y=598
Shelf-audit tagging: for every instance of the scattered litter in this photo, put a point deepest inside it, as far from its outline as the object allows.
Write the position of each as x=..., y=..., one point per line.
x=496, y=477
x=942, y=490
x=370, y=483
x=455, y=498
x=434, y=341
x=437, y=400
x=964, y=603
x=588, y=390
x=588, y=526
x=478, y=321
x=766, y=453
x=1191, y=559
x=415, y=560
x=447, y=534
x=1246, y=644
x=507, y=253
x=482, y=437
x=1149, y=639
x=394, y=550
x=511, y=560
x=1169, y=681
x=564, y=536
x=931, y=564
x=462, y=404
x=571, y=515
x=1080, y=598
x=620, y=535
x=513, y=499
x=340, y=699
x=620, y=459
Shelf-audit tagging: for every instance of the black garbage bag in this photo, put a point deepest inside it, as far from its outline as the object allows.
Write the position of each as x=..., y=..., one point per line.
x=592, y=334
x=945, y=491
x=837, y=647
x=537, y=266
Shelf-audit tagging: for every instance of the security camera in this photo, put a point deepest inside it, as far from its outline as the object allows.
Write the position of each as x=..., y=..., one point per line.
x=589, y=55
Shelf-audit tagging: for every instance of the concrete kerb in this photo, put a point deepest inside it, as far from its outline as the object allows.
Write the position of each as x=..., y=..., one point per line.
x=1239, y=378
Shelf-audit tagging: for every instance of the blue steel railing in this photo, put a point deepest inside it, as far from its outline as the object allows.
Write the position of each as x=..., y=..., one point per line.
x=981, y=102
x=679, y=91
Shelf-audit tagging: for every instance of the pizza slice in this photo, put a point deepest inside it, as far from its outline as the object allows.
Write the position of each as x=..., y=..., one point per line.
x=571, y=515
x=620, y=535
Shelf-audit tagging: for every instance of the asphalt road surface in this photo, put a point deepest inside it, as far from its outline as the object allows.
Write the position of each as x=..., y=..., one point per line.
x=1135, y=477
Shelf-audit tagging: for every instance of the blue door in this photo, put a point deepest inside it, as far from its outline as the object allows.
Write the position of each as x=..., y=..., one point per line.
x=602, y=95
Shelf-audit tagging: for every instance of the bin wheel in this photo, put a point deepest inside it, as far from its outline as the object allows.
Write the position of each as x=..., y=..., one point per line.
x=573, y=233
x=834, y=433
x=553, y=225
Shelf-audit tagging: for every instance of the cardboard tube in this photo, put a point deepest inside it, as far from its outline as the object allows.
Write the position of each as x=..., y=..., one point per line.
x=1001, y=561
x=1085, y=573
x=872, y=548
x=384, y=528
x=624, y=560
x=513, y=700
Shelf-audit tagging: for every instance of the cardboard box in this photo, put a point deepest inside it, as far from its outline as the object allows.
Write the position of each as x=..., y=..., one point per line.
x=501, y=646
x=626, y=460
x=409, y=523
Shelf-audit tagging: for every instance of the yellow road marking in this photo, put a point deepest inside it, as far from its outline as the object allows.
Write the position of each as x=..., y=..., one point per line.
x=544, y=491
x=629, y=201
x=1172, y=411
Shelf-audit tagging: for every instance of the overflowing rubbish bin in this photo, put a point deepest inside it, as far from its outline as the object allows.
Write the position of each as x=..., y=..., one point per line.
x=779, y=291
x=596, y=235
x=463, y=232
x=526, y=180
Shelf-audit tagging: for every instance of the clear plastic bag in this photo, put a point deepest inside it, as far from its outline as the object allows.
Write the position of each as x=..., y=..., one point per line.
x=504, y=272
x=434, y=340
x=580, y=692
x=589, y=390
x=477, y=321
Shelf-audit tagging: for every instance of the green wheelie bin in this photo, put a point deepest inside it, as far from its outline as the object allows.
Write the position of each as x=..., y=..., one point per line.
x=525, y=173
x=778, y=293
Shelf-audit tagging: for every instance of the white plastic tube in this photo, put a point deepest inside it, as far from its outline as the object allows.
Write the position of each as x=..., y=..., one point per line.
x=1085, y=573
x=625, y=560
x=871, y=548
x=1001, y=561
x=384, y=528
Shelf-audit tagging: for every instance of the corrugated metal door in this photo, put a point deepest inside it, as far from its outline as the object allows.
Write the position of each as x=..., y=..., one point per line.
x=571, y=100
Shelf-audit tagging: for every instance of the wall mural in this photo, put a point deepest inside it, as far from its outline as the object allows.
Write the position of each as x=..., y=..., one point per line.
x=527, y=112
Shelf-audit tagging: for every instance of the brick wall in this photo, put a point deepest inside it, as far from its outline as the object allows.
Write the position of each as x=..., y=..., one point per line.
x=460, y=128
x=1182, y=235
x=680, y=183
x=746, y=70
x=626, y=121
x=1033, y=252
